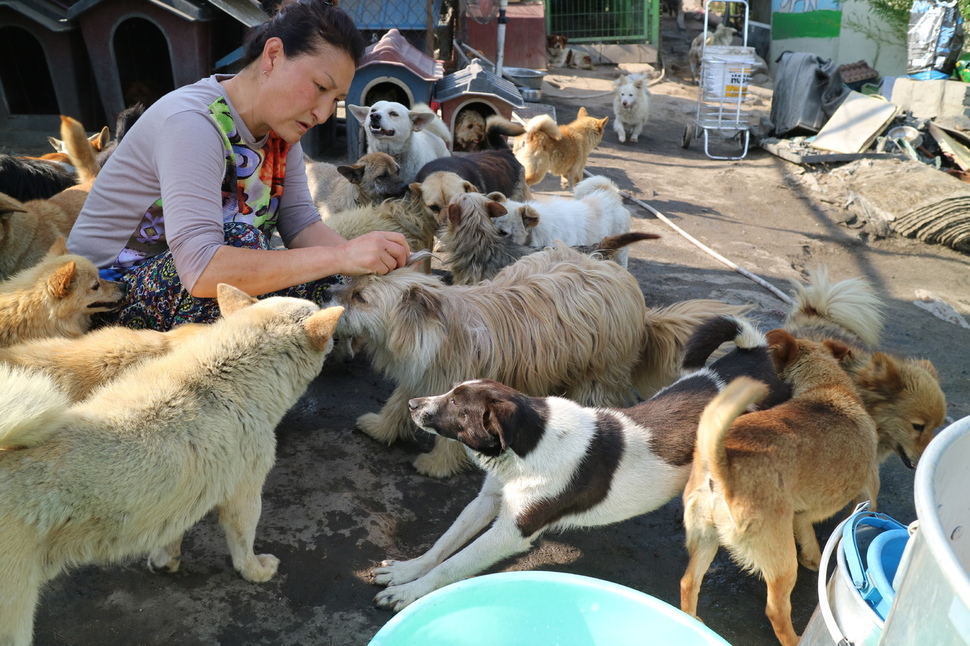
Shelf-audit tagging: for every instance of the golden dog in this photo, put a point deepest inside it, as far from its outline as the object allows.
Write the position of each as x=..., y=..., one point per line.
x=902, y=395
x=80, y=365
x=557, y=321
x=759, y=481
x=561, y=150
x=149, y=454
x=55, y=297
x=28, y=229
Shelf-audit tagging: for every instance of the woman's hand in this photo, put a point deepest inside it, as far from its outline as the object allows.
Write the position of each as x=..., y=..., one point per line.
x=377, y=252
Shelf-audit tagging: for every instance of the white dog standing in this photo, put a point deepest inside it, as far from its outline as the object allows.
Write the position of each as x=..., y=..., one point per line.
x=631, y=106
x=412, y=137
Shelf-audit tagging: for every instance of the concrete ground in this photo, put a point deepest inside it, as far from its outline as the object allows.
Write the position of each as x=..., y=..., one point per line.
x=337, y=502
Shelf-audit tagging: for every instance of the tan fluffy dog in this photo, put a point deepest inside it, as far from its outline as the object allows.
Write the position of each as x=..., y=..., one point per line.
x=557, y=321
x=760, y=481
x=438, y=190
x=55, y=297
x=561, y=150
x=902, y=395
x=149, y=454
x=469, y=130
x=80, y=365
x=28, y=229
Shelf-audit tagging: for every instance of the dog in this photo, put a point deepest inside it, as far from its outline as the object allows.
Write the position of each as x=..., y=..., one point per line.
x=631, y=106
x=561, y=150
x=99, y=142
x=487, y=171
x=722, y=36
x=374, y=178
x=30, y=178
x=551, y=464
x=558, y=55
x=412, y=137
x=594, y=212
x=407, y=216
x=477, y=249
x=760, y=481
x=555, y=322
x=469, y=131
x=123, y=123
x=902, y=395
x=79, y=365
x=28, y=229
x=55, y=297
x=152, y=452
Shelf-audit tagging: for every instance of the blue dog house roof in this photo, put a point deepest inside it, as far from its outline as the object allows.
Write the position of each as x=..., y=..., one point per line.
x=475, y=79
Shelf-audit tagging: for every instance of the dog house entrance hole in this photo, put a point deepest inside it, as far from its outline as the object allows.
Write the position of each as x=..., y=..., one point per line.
x=482, y=108
x=27, y=85
x=144, y=65
x=386, y=89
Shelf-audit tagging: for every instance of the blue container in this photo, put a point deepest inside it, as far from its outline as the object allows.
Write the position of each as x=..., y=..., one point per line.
x=531, y=608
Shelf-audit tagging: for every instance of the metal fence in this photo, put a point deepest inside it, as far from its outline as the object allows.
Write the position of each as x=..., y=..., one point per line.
x=604, y=21
x=415, y=20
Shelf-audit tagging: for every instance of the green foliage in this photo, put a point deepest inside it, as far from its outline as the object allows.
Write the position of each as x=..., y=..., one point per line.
x=896, y=13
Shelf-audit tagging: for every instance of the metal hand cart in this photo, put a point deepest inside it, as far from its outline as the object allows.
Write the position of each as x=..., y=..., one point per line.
x=723, y=90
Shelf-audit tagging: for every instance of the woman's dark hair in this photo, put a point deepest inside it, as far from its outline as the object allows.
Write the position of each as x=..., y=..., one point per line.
x=304, y=26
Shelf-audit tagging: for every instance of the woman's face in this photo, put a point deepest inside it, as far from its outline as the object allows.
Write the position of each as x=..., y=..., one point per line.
x=302, y=92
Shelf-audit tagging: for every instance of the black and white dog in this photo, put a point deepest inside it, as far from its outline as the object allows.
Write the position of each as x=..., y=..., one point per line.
x=552, y=464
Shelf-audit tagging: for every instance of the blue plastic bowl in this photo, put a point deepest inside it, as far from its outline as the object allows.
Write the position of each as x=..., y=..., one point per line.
x=539, y=608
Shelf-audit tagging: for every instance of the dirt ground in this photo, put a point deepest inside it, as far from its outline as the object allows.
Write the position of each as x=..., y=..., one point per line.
x=337, y=502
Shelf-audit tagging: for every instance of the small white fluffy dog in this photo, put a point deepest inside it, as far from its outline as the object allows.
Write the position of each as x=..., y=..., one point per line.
x=128, y=470
x=631, y=106
x=412, y=137
x=557, y=321
x=594, y=212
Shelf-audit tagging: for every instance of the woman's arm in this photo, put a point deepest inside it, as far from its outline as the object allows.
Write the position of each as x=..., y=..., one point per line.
x=316, y=252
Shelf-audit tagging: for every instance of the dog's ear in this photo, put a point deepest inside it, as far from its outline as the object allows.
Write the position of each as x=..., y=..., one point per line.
x=782, y=346
x=469, y=187
x=638, y=84
x=530, y=217
x=232, y=299
x=838, y=349
x=100, y=140
x=881, y=376
x=601, y=123
x=59, y=282
x=59, y=248
x=451, y=214
x=415, y=188
x=618, y=81
x=320, y=326
x=354, y=174
x=10, y=205
x=928, y=367
x=582, y=113
x=360, y=112
x=58, y=145
x=497, y=196
x=495, y=210
x=420, y=119
x=416, y=331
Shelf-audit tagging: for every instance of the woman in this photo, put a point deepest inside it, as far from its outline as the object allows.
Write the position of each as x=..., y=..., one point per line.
x=198, y=186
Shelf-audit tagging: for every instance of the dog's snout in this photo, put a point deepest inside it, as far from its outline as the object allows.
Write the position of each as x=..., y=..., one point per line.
x=415, y=404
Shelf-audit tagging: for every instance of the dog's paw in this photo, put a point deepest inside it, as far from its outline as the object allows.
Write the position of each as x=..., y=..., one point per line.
x=372, y=424
x=260, y=568
x=633, y=139
x=446, y=459
x=165, y=559
x=399, y=597
x=811, y=561
x=398, y=572
x=622, y=137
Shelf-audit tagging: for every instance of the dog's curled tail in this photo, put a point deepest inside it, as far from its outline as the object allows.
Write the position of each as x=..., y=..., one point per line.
x=497, y=128
x=609, y=246
x=543, y=124
x=31, y=409
x=710, y=334
x=736, y=398
x=666, y=334
x=79, y=149
x=849, y=305
x=595, y=183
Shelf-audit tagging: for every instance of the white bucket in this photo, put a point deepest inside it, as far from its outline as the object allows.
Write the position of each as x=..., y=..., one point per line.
x=932, y=604
x=844, y=616
x=726, y=71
